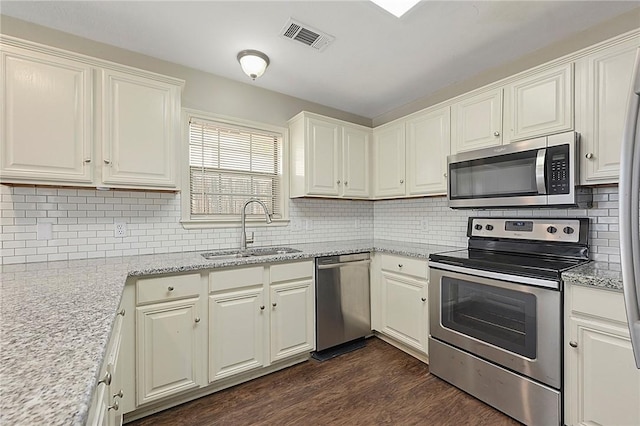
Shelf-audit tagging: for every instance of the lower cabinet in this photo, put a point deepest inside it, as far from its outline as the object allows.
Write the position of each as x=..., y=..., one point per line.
x=601, y=380
x=401, y=304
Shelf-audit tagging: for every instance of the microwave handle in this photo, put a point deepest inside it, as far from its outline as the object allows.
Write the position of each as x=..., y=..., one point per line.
x=541, y=160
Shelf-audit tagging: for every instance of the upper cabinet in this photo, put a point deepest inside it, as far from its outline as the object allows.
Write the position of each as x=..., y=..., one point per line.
x=72, y=120
x=539, y=104
x=389, y=160
x=477, y=122
x=329, y=158
x=603, y=85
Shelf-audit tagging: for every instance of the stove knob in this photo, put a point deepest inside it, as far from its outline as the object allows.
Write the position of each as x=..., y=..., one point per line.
x=568, y=230
x=478, y=227
x=552, y=229
x=489, y=227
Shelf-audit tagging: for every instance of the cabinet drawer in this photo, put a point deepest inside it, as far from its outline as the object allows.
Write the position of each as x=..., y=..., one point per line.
x=404, y=265
x=228, y=279
x=598, y=302
x=162, y=289
x=291, y=271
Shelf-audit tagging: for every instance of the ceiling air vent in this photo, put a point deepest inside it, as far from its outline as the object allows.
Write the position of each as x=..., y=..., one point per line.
x=298, y=31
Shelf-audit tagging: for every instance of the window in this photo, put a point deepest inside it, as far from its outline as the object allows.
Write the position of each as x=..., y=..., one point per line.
x=230, y=163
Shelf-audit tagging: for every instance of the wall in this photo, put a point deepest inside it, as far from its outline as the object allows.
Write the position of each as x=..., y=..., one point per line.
x=83, y=221
x=429, y=220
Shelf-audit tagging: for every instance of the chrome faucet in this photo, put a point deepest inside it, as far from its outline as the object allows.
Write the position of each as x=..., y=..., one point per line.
x=243, y=216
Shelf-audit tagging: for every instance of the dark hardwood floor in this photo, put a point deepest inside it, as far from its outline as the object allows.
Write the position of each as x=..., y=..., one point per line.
x=375, y=385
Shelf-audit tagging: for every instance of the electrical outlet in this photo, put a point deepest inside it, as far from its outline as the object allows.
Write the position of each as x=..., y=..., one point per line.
x=44, y=231
x=120, y=229
x=356, y=224
x=425, y=224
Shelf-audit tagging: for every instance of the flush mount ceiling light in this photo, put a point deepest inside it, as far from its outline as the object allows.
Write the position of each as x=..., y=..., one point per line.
x=396, y=7
x=253, y=63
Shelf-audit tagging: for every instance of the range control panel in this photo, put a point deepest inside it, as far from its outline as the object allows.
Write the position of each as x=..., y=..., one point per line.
x=552, y=229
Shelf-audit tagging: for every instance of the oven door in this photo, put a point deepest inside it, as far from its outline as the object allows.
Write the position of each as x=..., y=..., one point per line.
x=513, y=325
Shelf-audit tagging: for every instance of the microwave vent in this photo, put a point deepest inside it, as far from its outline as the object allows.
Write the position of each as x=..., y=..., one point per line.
x=297, y=31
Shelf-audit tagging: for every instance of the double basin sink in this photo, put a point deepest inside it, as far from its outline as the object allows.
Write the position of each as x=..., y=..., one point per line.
x=252, y=252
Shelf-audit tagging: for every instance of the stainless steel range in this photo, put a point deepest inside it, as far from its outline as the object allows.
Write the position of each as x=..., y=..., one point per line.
x=496, y=313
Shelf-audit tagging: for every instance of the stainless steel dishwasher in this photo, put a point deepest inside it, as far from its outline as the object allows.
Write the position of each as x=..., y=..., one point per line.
x=343, y=308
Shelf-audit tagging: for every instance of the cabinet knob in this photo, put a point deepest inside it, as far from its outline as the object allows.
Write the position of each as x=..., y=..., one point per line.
x=338, y=182
x=346, y=183
x=445, y=175
x=496, y=133
x=197, y=320
x=170, y=288
x=401, y=180
x=573, y=344
x=120, y=394
x=424, y=299
x=87, y=160
x=262, y=308
x=274, y=304
x=106, y=379
x=399, y=265
x=107, y=162
x=122, y=312
x=589, y=156
x=114, y=407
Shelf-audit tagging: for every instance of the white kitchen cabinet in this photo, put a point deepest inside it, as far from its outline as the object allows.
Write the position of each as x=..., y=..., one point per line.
x=170, y=332
x=402, y=300
x=141, y=128
x=539, y=104
x=329, y=158
x=389, y=160
x=47, y=125
x=476, y=121
x=601, y=379
x=69, y=119
x=428, y=144
x=292, y=318
x=603, y=84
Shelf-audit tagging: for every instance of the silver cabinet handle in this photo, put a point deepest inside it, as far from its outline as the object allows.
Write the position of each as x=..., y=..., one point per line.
x=274, y=304
x=445, y=175
x=401, y=180
x=106, y=379
x=496, y=133
x=424, y=299
x=87, y=160
x=589, y=156
x=197, y=320
x=338, y=182
x=170, y=288
x=122, y=312
x=107, y=162
x=573, y=344
x=400, y=265
x=346, y=183
x=262, y=308
x=120, y=394
x=114, y=407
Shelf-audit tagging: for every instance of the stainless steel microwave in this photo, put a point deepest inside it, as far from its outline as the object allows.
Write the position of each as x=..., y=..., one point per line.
x=537, y=172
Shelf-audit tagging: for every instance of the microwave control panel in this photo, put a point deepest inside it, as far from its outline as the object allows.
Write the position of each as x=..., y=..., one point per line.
x=558, y=169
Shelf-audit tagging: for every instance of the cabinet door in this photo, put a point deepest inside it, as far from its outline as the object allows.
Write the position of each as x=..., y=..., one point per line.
x=141, y=131
x=292, y=319
x=404, y=310
x=355, y=162
x=603, y=82
x=389, y=161
x=323, y=158
x=168, y=349
x=604, y=384
x=236, y=332
x=476, y=122
x=46, y=120
x=540, y=104
x=428, y=144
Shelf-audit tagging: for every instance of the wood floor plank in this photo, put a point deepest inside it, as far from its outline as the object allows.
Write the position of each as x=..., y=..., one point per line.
x=376, y=385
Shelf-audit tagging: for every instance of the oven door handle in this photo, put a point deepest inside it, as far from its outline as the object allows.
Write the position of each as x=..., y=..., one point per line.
x=541, y=161
x=537, y=282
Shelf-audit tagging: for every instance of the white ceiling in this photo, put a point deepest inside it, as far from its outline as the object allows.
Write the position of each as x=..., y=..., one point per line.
x=376, y=63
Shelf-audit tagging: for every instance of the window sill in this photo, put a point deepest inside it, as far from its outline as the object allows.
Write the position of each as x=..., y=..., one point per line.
x=235, y=223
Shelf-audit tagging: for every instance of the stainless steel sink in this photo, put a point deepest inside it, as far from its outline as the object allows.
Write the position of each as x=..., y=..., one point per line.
x=253, y=252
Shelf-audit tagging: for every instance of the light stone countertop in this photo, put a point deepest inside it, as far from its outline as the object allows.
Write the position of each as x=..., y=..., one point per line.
x=57, y=318
x=595, y=274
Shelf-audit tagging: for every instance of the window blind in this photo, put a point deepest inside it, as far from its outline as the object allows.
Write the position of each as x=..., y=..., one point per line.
x=230, y=164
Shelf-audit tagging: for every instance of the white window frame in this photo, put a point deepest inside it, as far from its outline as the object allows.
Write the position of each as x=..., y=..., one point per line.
x=229, y=221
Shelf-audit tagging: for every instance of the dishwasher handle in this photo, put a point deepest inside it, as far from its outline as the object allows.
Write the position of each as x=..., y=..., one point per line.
x=339, y=265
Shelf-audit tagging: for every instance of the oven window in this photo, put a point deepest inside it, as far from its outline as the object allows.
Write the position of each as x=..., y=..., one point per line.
x=501, y=317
